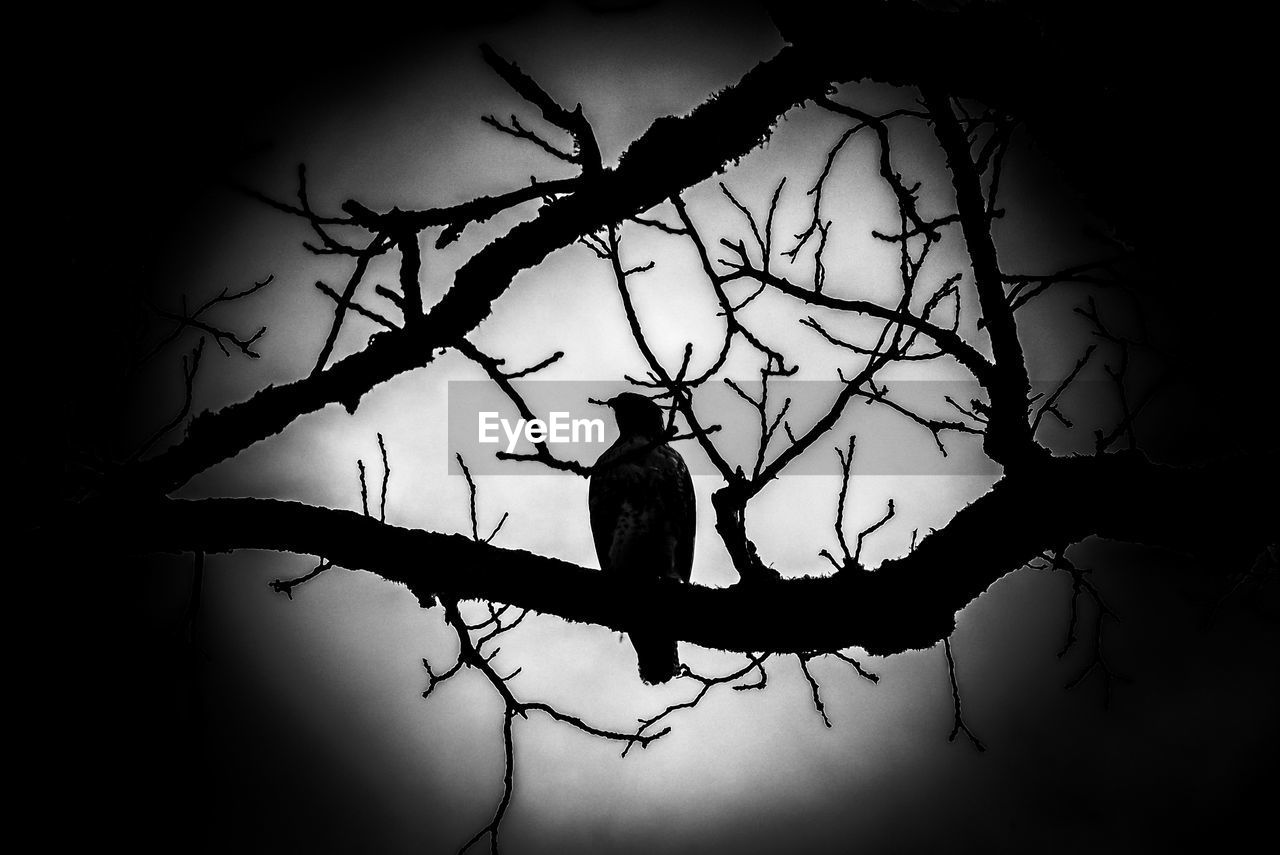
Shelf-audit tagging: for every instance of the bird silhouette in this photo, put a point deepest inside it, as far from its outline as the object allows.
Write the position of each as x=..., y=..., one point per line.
x=642, y=518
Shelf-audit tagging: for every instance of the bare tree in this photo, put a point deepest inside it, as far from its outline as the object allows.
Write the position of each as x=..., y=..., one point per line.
x=961, y=309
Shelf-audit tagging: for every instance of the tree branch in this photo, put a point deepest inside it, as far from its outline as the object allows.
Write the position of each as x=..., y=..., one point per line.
x=908, y=603
x=673, y=154
x=1008, y=438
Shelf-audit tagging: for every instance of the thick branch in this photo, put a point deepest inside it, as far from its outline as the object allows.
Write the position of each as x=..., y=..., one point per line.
x=907, y=603
x=1008, y=438
x=673, y=154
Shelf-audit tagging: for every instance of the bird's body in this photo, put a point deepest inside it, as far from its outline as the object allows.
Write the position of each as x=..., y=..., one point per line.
x=642, y=518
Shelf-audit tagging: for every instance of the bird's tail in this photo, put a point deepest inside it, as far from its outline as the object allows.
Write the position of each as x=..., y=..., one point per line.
x=657, y=655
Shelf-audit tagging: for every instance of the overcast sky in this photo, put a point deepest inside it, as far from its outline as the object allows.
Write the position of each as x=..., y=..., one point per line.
x=314, y=704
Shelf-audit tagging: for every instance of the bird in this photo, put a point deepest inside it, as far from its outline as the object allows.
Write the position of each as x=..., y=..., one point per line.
x=643, y=513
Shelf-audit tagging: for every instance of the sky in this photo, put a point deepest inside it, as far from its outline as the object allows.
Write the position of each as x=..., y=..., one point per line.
x=312, y=706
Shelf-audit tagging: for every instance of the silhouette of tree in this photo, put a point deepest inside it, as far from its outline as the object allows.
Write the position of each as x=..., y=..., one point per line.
x=954, y=66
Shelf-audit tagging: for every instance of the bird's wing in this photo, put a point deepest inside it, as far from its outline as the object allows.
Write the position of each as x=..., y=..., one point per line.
x=680, y=508
x=605, y=503
x=608, y=497
x=642, y=513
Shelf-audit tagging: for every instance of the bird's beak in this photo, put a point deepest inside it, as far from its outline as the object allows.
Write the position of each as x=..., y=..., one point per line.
x=599, y=403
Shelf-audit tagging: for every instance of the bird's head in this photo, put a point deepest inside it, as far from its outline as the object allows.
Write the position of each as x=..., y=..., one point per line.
x=636, y=415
